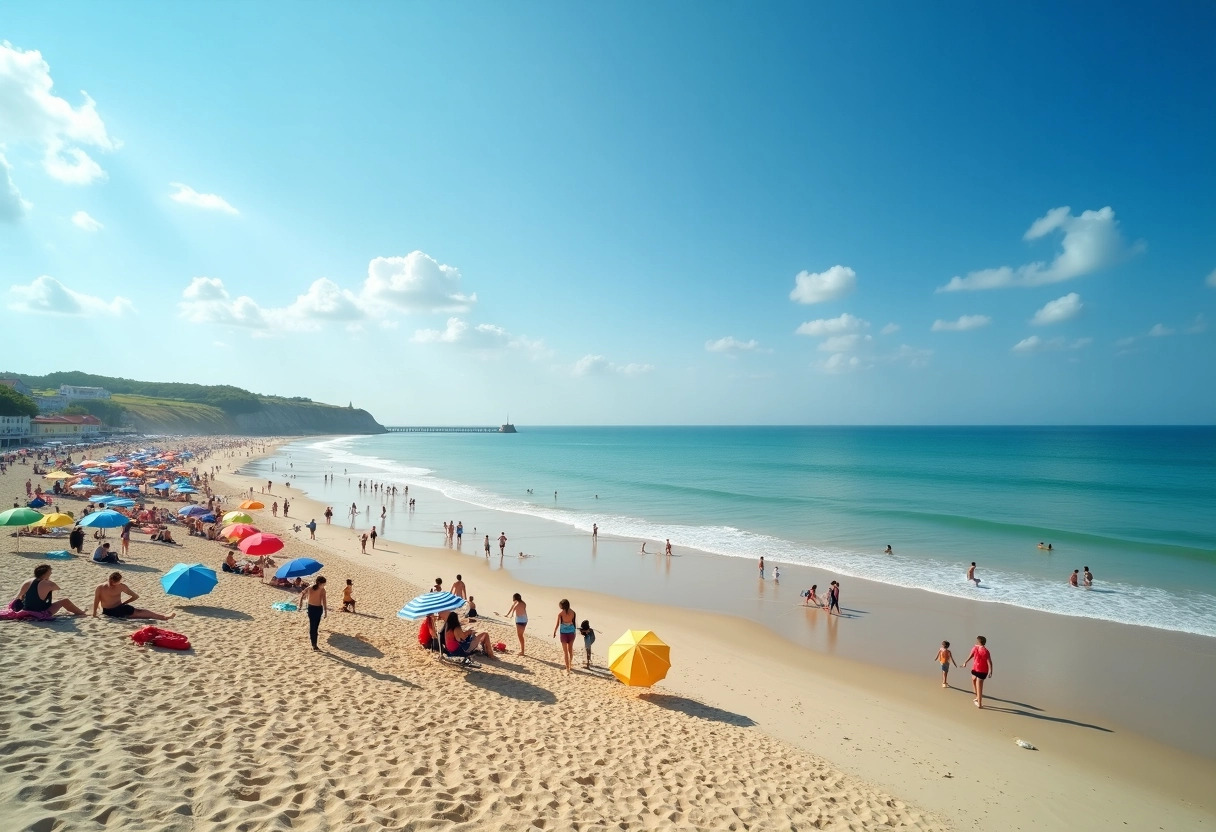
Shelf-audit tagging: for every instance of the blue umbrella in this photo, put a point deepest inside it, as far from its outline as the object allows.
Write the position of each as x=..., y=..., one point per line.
x=298, y=568
x=207, y=518
x=104, y=520
x=82, y=486
x=104, y=498
x=189, y=580
x=161, y=486
x=123, y=503
x=129, y=489
x=37, y=502
x=191, y=511
x=94, y=470
x=430, y=603
x=118, y=480
x=185, y=489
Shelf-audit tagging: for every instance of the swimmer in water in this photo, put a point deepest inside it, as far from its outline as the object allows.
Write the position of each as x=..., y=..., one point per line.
x=971, y=574
x=888, y=550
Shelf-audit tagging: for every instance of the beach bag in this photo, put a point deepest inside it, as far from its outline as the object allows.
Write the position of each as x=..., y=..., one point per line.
x=160, y=638
x=501, y=647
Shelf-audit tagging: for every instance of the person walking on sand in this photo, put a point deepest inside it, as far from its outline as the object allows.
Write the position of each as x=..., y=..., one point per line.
x=834, y=598
x=945, y=658
x=329, y=514
x=109, y=596
x=286, y=506
x=762, y=567
x=348, y=596
x=971, y=574
x=363, y=543
x=458, y=588
x=502, y=543
x=983, y=669
x=487, y=547
x=372, y=535
x=35, y=594
x=667, y=548
x=318, y=608
x=274, y=508
x=125, y=538
x=520, y=610
x=312, y=528
x=811, y=598
x=565, y=624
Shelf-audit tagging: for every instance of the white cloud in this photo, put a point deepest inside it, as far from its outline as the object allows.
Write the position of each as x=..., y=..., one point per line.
x=206, y=301
x=840, y=363
x=1200, y=325
x=1160, y=331
x=912, y=356
x=31, y=114
x=486, y=337
x=963, y=324
x=86, y=223
x=1036, y=344
x=889, y=329
x=46, y=295
x=730, y=344
x=325, y=301
x=1211, y=279
x=598, y=365
x=844, y=343
x=1091, y=242
x=1058, y=310
x=208, y=202
x=810, y=287
x=832, y=326
x=415, y=283
x=12, y=206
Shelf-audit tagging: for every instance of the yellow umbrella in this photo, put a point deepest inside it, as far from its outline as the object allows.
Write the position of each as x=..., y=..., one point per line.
x=639, y=658
x=58, y=475
x=252, y=505
x=53, y=520
x=237, y=517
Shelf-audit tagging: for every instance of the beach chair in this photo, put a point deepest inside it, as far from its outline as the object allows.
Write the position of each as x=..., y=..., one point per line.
x=463, y=658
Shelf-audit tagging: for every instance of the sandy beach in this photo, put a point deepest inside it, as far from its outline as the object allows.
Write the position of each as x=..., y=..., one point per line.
x=252, y=730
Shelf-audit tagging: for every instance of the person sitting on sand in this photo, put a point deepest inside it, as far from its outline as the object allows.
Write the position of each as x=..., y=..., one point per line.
x=109, y=596
x=459, y=640
x=163, y=535
x=35, y=594
x=102, y=554
x=472, y=611
x=348, y=598
x=230, y=564
x=426, y=633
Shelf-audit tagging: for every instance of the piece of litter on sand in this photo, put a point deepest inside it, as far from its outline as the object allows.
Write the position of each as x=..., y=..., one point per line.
x=1024, y=744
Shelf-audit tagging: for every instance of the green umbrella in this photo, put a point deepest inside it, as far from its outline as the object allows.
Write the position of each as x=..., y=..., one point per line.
x=19, y=517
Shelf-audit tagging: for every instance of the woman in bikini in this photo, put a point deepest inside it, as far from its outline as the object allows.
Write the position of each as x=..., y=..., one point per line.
x=520, y=610
x=565, y=623
x=457, y=639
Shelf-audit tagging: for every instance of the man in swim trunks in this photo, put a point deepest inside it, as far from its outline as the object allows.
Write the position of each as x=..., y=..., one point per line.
x=109, y=596
x=971, y=574
x=487, y=546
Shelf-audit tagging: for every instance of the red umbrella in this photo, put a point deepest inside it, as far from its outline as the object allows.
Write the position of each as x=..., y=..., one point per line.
x=262, y=543
x=239, y=531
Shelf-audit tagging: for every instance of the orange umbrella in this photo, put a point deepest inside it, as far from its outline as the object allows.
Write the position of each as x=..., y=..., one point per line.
x=639, y=658
x=251, y=505
x=239, y=531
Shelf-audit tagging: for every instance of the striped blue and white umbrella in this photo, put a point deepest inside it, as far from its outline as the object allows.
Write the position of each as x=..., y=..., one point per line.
x=430, y=603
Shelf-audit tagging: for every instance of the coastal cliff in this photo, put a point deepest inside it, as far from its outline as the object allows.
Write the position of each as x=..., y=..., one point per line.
x=273, y=418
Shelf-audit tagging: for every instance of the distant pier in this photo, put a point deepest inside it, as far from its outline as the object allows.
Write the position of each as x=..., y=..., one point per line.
x=507, y=428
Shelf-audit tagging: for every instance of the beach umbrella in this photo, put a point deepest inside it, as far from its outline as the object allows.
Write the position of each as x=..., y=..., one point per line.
x=55, y=520
x=37, y=502
x=192, y=511
x=105, y=519
x=261, y=543
x=59, y=475
x=237, y=517
x=189, y=580
x=123, y=503
x=129, y=489
x=118, y=480
x=639, y=658
x=252, y=505
x=161, y=486
x=19, y=517
x=94, y=471
x=298, y=568
x=185, y=489
x=430, y=603
x=239, y=531
x=104, y=498
x=89, y=462
x=82, y=486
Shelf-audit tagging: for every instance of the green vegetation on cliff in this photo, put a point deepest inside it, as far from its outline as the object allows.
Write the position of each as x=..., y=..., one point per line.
x=175, y=407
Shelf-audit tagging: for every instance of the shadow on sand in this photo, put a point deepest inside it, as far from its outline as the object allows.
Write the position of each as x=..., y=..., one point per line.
x=216, y=612
x=512, y=687
x=354, y=646
x=698, y=709
x=367, y=671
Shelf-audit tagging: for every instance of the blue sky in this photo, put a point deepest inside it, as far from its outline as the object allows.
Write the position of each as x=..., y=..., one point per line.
x=634, y=213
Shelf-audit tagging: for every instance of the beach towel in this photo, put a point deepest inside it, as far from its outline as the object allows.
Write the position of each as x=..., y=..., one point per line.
x=13, y=612
x=59, y=554
x=284, y=606
x=160, y=638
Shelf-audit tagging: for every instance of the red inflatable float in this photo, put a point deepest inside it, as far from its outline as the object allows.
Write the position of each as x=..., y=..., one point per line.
x=161, y=638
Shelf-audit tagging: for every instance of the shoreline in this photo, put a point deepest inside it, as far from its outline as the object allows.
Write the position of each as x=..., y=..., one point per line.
x=936, y=735
x=1070, y=668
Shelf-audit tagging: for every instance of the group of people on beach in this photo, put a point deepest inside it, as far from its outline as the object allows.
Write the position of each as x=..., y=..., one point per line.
x=982, y=666
x=113, y=598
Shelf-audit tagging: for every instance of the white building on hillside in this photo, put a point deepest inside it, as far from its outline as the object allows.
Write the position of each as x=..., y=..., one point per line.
x=71, y=391
x=14, y=430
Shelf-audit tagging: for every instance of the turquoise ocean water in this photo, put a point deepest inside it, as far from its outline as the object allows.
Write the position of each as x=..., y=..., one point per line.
x=1136, y=505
